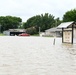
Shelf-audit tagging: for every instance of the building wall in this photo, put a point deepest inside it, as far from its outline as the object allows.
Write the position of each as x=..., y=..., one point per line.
x=58, y=34
x=47, y=33
x=74, y=32
x=67, y=36
x=6, y=33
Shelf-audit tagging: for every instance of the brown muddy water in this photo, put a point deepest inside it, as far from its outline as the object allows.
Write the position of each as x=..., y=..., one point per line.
x=36, y=56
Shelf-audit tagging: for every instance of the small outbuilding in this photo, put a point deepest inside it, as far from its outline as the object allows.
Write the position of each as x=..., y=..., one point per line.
x=68, y=31
x=13, y=32
x=53, y=32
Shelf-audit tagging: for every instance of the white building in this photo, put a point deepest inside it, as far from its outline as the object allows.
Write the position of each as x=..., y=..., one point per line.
x=14, y=32
x=53, y=32
x=68, y=31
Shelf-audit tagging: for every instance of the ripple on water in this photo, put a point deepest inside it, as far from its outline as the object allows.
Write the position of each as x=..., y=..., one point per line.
x=36, y=56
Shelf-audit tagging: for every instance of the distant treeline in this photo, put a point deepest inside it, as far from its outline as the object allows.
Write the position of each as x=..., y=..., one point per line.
x=9, y=22
x=33, y=24
x=45, y=21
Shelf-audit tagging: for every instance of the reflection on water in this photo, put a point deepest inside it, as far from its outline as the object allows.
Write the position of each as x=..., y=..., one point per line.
x=36, y=56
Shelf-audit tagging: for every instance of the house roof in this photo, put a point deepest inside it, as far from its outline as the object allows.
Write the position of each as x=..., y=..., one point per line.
x=17, y=30
x=65, y=24
x=53, y=29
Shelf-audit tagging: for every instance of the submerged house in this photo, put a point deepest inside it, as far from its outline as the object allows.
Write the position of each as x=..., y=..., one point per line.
x=68, y=31
x=53, y=32
x=13, y=32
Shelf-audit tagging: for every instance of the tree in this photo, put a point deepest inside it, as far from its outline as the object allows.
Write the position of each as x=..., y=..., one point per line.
x=70, y=16
x=31, y=30
x=9, y=22
x=45, y=21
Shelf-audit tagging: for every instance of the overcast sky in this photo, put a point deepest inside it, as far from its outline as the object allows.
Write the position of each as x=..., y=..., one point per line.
x=28, y=8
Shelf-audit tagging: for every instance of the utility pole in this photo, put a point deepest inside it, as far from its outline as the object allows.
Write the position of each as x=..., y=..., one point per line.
x=0, y=28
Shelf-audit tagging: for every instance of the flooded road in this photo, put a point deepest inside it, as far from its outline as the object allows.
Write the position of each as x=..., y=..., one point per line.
x=36, y=56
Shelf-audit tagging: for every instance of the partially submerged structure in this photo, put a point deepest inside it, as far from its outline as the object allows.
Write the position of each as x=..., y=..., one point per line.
x=12, y=32
x=53, y=32
x=68, y=31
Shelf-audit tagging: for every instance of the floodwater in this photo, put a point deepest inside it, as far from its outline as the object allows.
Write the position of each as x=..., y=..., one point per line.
x=36, y=56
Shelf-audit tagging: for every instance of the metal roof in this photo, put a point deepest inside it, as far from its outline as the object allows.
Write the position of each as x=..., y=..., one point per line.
x=65, y=24
x=53, y=29
x=17, y=30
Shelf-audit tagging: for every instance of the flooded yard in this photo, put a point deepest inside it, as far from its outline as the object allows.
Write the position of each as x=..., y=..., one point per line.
x=36, y=56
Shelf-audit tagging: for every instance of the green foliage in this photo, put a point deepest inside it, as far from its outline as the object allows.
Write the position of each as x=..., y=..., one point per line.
x=9, y=22
x=31, y=30
x=45, y=21
x=70, y=16
x=2, y=34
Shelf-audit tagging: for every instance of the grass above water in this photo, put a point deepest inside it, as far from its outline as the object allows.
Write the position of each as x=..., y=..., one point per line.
x=1, y=34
